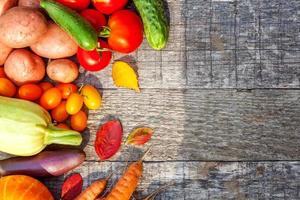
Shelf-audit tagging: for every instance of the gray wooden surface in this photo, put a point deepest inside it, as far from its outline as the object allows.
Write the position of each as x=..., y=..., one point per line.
x=223, y=98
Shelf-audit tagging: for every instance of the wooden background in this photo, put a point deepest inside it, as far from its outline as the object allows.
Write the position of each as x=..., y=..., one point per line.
x=223, y=98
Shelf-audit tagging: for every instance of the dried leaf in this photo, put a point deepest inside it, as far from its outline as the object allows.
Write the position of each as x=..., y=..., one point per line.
x=124, y=76
x=109, y=139
x=72, y=187
x=139, y=136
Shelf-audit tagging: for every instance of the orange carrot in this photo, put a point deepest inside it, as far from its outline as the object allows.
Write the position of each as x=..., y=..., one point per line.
x=128, y=182
x=94, y=190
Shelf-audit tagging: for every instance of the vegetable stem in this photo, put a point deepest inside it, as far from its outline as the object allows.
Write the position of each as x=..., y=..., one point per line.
x=61, y=136
x=105, y=33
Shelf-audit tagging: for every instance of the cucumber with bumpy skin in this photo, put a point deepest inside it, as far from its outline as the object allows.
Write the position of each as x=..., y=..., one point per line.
x=155, y=22
x=71, y=22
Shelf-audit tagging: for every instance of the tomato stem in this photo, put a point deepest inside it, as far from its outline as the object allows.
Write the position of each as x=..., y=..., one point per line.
x=105, y=33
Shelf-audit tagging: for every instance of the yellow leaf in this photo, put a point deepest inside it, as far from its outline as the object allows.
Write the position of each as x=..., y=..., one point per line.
x=124, y=76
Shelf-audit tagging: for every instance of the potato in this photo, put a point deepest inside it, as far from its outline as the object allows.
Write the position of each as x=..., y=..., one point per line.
x=56, y=43
x=4, y=52
x=62, y=70
x=30, y=3
x=6, y=4
x=21, y=27
x=23, y=66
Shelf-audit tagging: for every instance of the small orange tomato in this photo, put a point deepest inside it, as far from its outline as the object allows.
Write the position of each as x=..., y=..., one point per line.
x=59, y=113
x=2, y=73
x=50, y=98
x=7, y=88
x=46, y=85
x=30, y=92
x=66, y=89
x=79, y=121
x=64, y=126
x=91, y=97
x=74, y=103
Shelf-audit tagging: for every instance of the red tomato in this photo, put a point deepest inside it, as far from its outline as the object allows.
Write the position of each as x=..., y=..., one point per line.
x=7, y=88
x=79, y=121
x=75, y=4
x=63, y=125
x=125, y=33
x=45, y=85
x=51, y=98
x=94, y=60
x=66, y=89
x=59, y=113
x=30, y=92
x=109, y=6
x=95, y=17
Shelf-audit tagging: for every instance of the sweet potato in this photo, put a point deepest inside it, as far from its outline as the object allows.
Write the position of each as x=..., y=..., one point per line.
x=30, y=3
x=4, y=52
x=6, y=4
x=23, y=66
x=21, y=27
x=56, y=43
x=62, y=70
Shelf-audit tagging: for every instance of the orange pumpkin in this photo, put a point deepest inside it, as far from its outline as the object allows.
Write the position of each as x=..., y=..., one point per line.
x=20, y=187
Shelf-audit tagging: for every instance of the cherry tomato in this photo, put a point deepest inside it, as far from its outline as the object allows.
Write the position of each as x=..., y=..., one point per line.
x=7, y=88
x=45, y=86
x=59, y=113
x=2, y=73
x=79, y=121
x=91, y=97
x=124, y=32
x=74, y=103
x=66, y=89
x=51, y=98
x=63, y=125
x=95, y=17
x=75, y=4
x=30, y=92
x=94, y=60
x=109, y=6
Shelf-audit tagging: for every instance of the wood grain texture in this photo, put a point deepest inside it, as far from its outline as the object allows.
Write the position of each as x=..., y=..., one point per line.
x=203, y=180
x=223, y=44
x=198, y=124
x=207, y=124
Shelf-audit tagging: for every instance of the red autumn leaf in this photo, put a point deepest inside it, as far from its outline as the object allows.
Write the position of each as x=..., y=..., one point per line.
x=108, y=139
x=72, y=187
x=139, y=136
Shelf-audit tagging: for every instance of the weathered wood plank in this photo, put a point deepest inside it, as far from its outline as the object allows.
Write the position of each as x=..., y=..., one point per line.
x=223, y=44
x=208, y=124
x=204, y=180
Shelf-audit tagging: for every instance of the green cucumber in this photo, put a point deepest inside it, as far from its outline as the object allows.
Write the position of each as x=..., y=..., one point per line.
x=71, y=22
x=155, y=22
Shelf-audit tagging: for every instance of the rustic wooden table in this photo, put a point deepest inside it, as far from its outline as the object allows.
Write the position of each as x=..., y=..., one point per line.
x=223, y=98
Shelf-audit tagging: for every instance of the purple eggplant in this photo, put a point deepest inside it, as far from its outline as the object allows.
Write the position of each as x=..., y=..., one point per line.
x=47, y=163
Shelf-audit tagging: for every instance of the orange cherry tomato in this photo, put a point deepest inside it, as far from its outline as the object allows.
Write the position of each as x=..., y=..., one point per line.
x=79, y=121
x=59, y=113
x=66, y=89
x=7, y=88
x=2, y=73
x=50, y=99
x=91, y=97
x=74, y=103
x=30, y=92
x=64, y=126
x=46, y=85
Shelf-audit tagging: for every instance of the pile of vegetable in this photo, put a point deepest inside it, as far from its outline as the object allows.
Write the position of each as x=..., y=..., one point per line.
x=43, y=43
